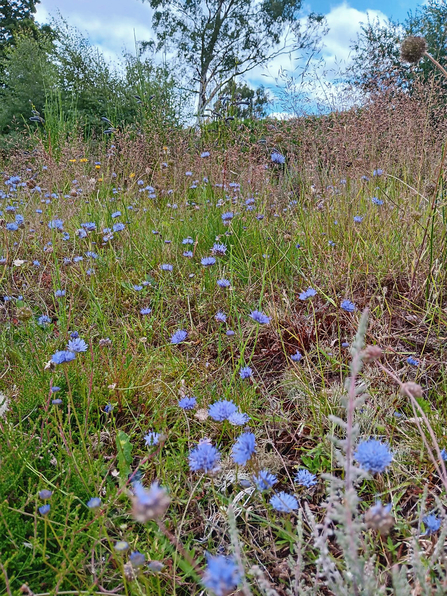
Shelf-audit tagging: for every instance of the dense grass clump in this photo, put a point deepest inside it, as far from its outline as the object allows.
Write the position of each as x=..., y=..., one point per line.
x=177, y=325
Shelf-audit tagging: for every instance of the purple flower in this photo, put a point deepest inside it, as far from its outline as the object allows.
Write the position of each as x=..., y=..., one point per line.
x=45, y=494
x=278, y=158
x=44, y=509
x=137, y=559
x=188, y=254
x=358, y=218
x=305, y=478
x=348, y=306
x=152, y=438
x=204, y=457
x=188, y=403
x=94, y=502
x=145, y=311
x=116, y=214
x=238, y=419
x=59, y=293
x=219, y=249
x=373, y=456
x=221, y=575
x=205, y=154
x=223, y=283
x=244, y=448
x=245, y=372
x=77, y=345
x=56, y=224
x=63, y=356
x=264, y=480
x=376, y=201
x=309, y=293
x=296, y=357
x=412, y=361
x=259, y=317
x=230, y=333
x=227, y=217
x=431, y=523
x=179, y=336
x=43, y=320
x=220, y=317
x=118, y=227
x=208, y=261
x=222, y=410
x=284, y=502
x=166, y=267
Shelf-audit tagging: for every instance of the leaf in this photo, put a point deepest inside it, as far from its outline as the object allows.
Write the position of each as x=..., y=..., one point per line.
x=425, y=406
x=124, y=448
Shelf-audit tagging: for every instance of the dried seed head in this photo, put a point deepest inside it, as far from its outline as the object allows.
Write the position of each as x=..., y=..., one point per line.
x=412, y=49
x=130, y=573
x=371, y=353
x=411, y=388
x=24, y=313
x=379, y=518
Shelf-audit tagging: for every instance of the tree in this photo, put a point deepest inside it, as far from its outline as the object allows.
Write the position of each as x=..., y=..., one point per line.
x=376, y=53
x=222, y=39
x=241, y=101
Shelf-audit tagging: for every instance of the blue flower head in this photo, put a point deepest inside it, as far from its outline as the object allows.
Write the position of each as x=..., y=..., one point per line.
x=208, y=261
x=205, y=457
x=45, y=494
x=259, y=317
x=373, y=456
x=296, y=357
x=277, y=158
x=309, y=293
x=348, y=306
x=63, y=356
x=244, y=448
x=145, y=311
x=77, y=345
x=43, y=320
x=431, y=523
x=152, y=438
x=245, y=372
x=220, y=317
x=412, y=361
x=94, y=502
x=221, y=575
x=284, y=502
x=376, y=201
x=264, y=480
x=179, y=336
x=166, y=267
x=222, y=410
x=223, y=283
x=44, y=509
x=219, y=249
x=305, y=478
x=358, y=218
x=238, y=419
x=188, y=403
x=137, y=559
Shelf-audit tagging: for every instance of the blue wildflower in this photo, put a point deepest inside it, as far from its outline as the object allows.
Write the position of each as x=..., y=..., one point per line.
x=45, y=494
x=376, y=201
x=116, y=214
x=121, y=546
x=179, y=336
x=90, y=226
x=93, y=503
x=264, y=480
x=56, y=224
x=444, y=454
x=118, y=227
x=59, y=293
x=284, y=502
x=245, y=372
x=166, y=267
x=77, y=345
x=208, y=261
x=244, y=448
x=205, y=154
x=219, y=249
x=431, y=523
x=221, y=575
x=277, y=158
x=137, y=559
x=12, y=227
x=309, y=293
x=145, y=311
x=412, y=361
x=223, y=283
x=378, y=172
x=108, y=408
x=373, y=456
x=238, y=418
x=227, y=217
x=43, y=320
x=259, y=317
x=358, y=218
x=55, y=389
x=188, y=403
x=63, y=356
x=152, y=438
x=188, y=240
x=204, y=457
x=296, y=357
x=305, y=478
x=44, y=509
x=230, y=333
x=137, y=288
x=220, y=317
x=348, y=306
x=222, y=410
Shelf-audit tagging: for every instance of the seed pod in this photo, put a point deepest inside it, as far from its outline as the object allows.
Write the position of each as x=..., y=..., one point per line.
x=412, y=49
x=411, y=388
x=379, y=518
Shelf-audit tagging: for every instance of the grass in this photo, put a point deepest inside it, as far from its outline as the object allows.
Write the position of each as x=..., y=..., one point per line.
x=78, y=450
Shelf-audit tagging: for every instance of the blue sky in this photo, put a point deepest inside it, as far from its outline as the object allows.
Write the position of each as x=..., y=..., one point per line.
x=112, y=25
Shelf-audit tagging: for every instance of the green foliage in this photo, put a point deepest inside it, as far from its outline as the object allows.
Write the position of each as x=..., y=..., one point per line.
x=124, y=449
x=224, y=39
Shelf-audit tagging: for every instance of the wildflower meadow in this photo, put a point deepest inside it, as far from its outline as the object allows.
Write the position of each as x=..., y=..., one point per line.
x=223, y=355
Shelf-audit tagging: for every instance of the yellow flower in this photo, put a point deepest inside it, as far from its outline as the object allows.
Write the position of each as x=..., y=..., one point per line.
x=99, y=179
x=97, y=167
x=132, y=175
x=83, y=160
x=72, y=160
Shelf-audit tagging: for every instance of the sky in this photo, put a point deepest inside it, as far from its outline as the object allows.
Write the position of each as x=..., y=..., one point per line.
x=112, y=26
